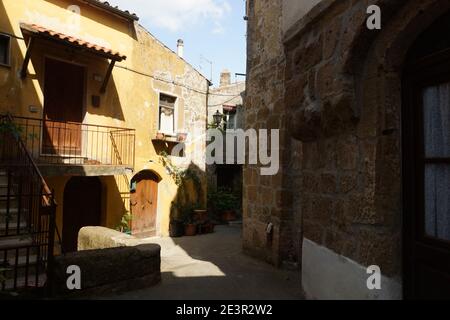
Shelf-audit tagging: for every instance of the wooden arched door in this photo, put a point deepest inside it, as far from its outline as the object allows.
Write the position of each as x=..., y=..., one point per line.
x=144, y=203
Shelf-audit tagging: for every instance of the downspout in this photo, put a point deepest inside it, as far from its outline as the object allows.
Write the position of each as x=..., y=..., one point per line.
x=208, y=85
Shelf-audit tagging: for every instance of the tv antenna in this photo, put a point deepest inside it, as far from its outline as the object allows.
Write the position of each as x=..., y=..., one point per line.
x=203, y=59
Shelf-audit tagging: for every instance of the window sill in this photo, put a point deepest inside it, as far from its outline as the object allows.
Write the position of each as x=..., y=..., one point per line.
x=7, y=66
x=172, y=138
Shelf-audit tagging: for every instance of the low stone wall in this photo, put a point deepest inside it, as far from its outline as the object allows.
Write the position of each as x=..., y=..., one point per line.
x=109, y=263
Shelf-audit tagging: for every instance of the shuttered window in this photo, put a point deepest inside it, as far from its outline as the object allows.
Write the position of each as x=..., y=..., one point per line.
x=167, y=114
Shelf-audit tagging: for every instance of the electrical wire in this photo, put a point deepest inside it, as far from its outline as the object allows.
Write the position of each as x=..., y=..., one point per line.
x=177, y=83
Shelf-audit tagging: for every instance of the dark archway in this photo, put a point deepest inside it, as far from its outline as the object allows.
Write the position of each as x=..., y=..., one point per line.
x=144, y=203
x=82, y=208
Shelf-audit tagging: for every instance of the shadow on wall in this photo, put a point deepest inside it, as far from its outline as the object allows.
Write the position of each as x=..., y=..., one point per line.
x=21, y=97
x=11, y=100
x=191, y=194
x=109, y=103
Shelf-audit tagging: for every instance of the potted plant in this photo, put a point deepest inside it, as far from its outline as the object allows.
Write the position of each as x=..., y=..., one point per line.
x=125, y=223
x=225, y=204
x=200, y=215
x=160, y=136
x=190, y=229
x=185, y=213
x=176, y=227
x=182, y=137
x=208, y=227
x=190, y=226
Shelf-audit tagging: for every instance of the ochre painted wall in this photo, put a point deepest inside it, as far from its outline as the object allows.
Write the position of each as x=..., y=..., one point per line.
x=131, y=99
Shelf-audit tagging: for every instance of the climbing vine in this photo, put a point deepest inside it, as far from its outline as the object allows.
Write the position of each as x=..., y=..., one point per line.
x=181, y=176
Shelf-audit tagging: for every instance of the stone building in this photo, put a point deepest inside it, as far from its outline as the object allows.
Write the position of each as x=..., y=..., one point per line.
x=365, y=144
x=227, y=99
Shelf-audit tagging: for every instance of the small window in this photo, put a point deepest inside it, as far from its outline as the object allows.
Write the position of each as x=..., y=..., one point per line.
x=4, y=49
x=167, y=114
x=231, y=122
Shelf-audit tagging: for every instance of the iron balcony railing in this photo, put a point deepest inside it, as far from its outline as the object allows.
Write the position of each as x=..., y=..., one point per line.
x=72, y=143
x=27, y=215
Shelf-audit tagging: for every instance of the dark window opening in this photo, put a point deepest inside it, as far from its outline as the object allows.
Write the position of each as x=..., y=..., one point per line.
x=4, y=49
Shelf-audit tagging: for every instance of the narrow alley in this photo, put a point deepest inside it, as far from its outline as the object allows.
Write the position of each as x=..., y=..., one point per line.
x=213, y=267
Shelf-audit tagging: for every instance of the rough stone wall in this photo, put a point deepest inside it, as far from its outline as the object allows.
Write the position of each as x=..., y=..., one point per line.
x=340, y=185
x=231, y=95
x=267, y=199
x=343, y=84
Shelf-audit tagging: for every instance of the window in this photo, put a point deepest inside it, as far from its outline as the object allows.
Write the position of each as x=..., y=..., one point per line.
x=231, y=122
x=436, y=119
x=4, y=49
x=167, y=114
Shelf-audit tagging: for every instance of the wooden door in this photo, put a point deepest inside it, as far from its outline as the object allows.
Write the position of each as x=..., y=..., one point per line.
x=63, y=108
x=82, y=208
x=427, y=181
x=144, y=204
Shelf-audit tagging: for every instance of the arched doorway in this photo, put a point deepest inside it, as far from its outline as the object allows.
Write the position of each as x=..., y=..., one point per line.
x=82, y=208
x=144, y=203
x=426, y=162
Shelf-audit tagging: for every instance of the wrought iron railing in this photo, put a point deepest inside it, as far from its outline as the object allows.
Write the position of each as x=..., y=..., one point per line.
x=27, y=215
x=72, y=143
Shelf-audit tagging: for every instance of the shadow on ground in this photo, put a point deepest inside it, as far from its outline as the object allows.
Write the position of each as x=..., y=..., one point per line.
x=213, y=267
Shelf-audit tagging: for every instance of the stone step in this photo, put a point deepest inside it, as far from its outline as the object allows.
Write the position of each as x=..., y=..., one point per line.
x=4, y=190
x=12, y=218
x=22, y=282
x=12, y=228
x=13, y=202
x=21, y=268
x=13, y=211
x=13, y=242
x=23, y=252
x=22, y=260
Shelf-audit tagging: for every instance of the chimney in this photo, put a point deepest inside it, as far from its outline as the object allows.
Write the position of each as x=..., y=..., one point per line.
x=180, y=48
x=225, y=78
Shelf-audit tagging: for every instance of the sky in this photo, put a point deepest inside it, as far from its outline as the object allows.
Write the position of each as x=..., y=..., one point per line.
x=212, y=30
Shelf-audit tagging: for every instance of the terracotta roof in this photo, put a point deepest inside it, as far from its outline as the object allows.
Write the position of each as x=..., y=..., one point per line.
x=42, y=31
x=229, y=108
x=106, y=6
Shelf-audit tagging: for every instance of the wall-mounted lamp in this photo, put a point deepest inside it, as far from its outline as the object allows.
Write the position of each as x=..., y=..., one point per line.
x=218, y=118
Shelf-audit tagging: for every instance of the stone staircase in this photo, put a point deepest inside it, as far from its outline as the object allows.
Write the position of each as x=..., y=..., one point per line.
x=18, y=255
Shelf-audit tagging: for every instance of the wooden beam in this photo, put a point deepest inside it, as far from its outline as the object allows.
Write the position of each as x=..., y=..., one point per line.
x=26, y=61
x=107, y=76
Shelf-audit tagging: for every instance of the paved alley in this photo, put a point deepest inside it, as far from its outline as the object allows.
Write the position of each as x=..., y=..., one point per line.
x=213, y=267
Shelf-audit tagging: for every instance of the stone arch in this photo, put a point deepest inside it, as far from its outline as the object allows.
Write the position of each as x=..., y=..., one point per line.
x=330, y=98
x=147, y=173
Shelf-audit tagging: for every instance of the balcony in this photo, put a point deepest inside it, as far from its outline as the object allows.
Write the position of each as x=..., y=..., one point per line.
x=70, y=148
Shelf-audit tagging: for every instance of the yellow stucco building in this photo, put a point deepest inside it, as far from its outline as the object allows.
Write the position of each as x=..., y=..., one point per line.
x=98, y=99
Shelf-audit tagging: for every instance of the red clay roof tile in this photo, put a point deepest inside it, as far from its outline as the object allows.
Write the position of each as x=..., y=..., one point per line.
x=73, y=40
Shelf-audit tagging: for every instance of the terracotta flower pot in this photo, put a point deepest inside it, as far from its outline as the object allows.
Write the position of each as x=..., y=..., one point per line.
x=176, y=229
x=181, y=137
x=229, y=215
x=200, y=215
x=190, y=230
x=160, y=136
x=209, y=227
